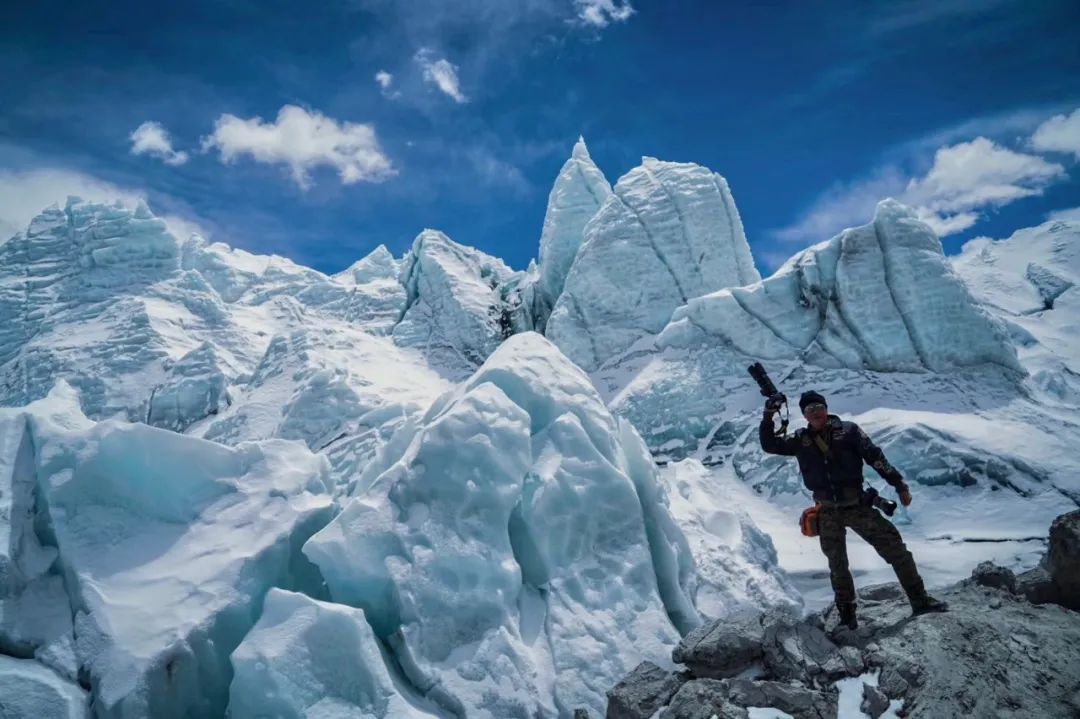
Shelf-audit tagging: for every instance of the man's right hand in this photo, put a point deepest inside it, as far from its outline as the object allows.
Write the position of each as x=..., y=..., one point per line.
x=772, y=404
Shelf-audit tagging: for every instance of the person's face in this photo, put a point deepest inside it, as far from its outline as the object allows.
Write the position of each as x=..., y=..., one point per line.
x=816, y=415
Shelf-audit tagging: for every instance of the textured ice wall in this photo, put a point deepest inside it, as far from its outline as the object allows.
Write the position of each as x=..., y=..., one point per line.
x=306, y=658
x=517, y=553
x=378, y=298
x=29, y=690
x=880, y=297
x=35, y=615
x=578, y=193
x=168, y=544
x=454, y=305
x=668, y=233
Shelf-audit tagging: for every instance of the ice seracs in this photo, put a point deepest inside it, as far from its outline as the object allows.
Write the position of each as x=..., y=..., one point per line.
x=454, y=306
x=669, y=232
x=505, y=553
x=1032, y=282
x=168, y=544
x=881, y=297
x=306, y=658
x=578, y=193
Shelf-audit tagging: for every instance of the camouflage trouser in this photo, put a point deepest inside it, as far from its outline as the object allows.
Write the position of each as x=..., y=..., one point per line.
x=868, y=523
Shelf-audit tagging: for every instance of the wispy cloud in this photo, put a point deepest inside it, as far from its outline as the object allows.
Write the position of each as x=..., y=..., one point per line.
x=442, y=73
x=972, y=176
x=601, y=13
x=303, y=140
x=964, y=180
x=150, y=138
x=24, y=194
x=1072, y=213
x=1060, y=133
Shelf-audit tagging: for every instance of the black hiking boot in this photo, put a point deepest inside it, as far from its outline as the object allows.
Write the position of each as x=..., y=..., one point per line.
x=847, y=616
x=926, y=605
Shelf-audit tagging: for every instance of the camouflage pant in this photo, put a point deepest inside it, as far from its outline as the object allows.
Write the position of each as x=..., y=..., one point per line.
x=868, y=523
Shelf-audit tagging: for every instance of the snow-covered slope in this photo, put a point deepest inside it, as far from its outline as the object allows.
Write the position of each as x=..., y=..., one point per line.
x=1031, y=281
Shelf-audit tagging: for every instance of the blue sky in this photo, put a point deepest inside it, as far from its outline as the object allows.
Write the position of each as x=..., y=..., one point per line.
x=319, y=130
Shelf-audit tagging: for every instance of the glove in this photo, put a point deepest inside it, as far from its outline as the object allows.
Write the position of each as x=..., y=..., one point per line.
x=772, y=404
x=905, y=494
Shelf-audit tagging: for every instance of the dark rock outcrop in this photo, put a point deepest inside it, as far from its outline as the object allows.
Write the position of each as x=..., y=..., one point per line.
x=643, y=691
x=1008, y=648
x=1063, y=558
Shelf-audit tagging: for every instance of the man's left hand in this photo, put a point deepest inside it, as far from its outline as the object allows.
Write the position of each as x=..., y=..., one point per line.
x=905, y=495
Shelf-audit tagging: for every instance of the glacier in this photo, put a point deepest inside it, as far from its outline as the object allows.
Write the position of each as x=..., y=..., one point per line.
x=226, y=476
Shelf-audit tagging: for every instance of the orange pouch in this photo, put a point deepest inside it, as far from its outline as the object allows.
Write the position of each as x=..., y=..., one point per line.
x=808, y=522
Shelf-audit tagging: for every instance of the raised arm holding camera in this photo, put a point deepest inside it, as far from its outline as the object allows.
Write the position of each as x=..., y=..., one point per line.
x=831, y=453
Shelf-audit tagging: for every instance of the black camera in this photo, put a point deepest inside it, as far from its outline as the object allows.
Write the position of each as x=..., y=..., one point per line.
x=765, y=384
x=871, y=498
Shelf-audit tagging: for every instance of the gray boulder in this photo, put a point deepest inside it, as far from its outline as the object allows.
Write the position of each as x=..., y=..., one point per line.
x=988, y=574
x=1036, y=586
x=703, y=699
x=1063, y=558
x=874, y=702
x=722, y=648
x=801, y=651
x=882, y=592
x=798, y=701
x=642, y=692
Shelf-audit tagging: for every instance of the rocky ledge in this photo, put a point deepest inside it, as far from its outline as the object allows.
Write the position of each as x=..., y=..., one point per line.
x=1008, y=648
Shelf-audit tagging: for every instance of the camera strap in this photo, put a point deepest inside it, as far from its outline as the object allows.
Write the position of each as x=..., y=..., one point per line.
x=822, y=445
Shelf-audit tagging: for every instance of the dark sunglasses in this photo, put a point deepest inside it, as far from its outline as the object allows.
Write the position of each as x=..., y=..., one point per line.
x=815, y=407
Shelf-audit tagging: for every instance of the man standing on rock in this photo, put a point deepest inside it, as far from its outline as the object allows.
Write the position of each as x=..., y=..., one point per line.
x=831, y=453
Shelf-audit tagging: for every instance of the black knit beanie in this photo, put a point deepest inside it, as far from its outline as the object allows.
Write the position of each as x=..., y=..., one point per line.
x=810, y=398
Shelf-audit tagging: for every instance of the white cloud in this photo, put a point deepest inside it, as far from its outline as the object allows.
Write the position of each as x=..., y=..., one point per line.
x=601, y=13
x=150, y=138
x=1060, y=133
x=970, y=176
x=24, y=194
x=384, y=79
x=442, y=73
x=1072, y=213
x=303, y=140
x=844, y=205
x=964, y=180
